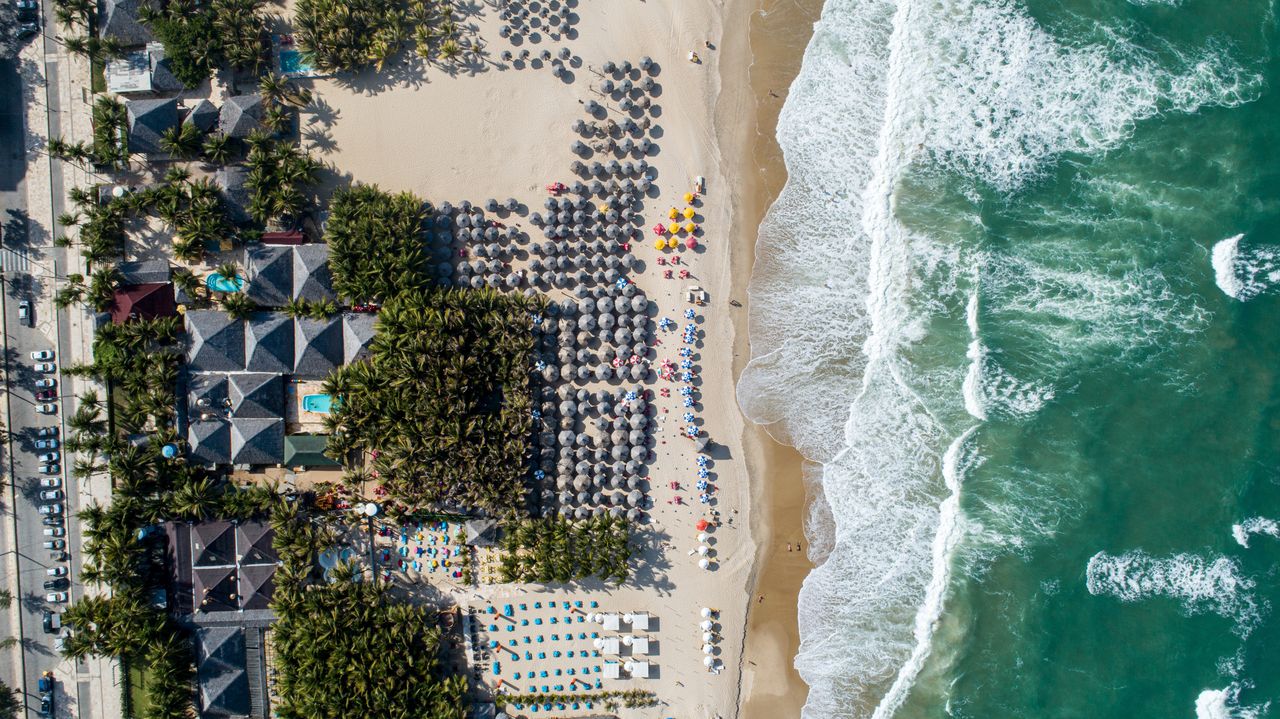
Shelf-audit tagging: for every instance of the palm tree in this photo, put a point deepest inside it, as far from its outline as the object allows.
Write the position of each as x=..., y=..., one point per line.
x=217, y=149
x=228, y=270
x=237, y=306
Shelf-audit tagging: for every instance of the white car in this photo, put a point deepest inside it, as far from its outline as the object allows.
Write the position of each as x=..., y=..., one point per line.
x=47, y=368
x=51, y=495
x=47, y=408
x=54, y=544
x=46, y=444
x=56, y=571
x=46, y=383
x=42, y=355
x=50, y=469
x=55, y=532
x=50, y=482
x=56, y=597
x=48, y=457
x=45, y=432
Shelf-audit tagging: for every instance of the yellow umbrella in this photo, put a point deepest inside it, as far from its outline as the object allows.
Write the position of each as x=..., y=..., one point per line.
x=603, y=208
x=688, y=198
x=659, y=243
x=688, y=227
x=673, y=228
x=672, y=213
x=688, y=213
x=673, y=243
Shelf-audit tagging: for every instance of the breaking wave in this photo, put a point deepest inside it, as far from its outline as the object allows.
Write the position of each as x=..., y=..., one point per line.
x=1254, y=525
x=1244, y=273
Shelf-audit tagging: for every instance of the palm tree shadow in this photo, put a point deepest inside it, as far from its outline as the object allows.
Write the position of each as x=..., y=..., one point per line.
x=322, y=113
x=319, y=139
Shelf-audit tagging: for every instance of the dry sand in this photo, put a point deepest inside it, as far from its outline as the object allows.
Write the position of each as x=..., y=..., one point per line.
x=492, y=130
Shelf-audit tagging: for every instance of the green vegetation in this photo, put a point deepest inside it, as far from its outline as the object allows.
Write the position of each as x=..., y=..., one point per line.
x=184, y=141
x=376, y=244
x=141, y=359
x=109, y=147
x=278, y=171
x=238, y=306
x=317, y=310
x=346, y=649
x=10, y=702
x=554, y=549
x=444, y=399
x=629, y=698
x=355, y=35
x=200, y=37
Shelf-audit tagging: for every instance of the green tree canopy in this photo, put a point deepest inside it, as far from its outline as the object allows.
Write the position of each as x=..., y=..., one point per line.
x=376, y=243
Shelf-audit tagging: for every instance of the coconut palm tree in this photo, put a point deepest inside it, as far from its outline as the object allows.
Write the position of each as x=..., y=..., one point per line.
x=237, y=306
x=217, y=149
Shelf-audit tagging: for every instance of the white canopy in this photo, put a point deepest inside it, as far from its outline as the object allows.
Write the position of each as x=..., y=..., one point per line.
x=703, y=563
x=706, y=637
x=640, y=622
x=706, y=613
x=609, y=645
x=708, y=661
x=611, y=622
x=639, y=670
x=708, y=649
x=612, y=670
x=706, y=624
x=640, y=646
x=702, y=550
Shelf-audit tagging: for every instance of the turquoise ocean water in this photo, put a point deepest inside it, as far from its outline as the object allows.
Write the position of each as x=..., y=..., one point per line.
x=1019, y=303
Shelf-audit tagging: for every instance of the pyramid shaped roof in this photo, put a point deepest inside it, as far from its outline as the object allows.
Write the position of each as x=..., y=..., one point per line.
x=148, y=120
x=257, y=441
x=253, y=543
x=358, y=329
x=216, y=342
x=147, y=301
x=203, y=115
x=270, y=274
x=257, y=582
x=317, y=346
x=221, y=673
x=214, y=588
x=268, y=341
x=256, y=395
x=207, y=393
x=213, y=544
x=210, y=442
x=311, y=278
x=240, y=115
x=119, y=19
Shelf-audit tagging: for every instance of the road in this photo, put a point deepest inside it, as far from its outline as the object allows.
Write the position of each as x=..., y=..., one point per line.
x=31, y=266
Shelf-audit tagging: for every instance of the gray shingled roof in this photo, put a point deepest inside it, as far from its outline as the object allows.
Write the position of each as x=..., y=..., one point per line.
x=269, y=343
x=311, y=278
x=357, y=334
x=257, y=584
x=254, y=543
x=213, y=544
x=317, y=346
x=240, y=115
x=270, y=275
x=119, y=19
x=210, y=442
x=144, y=272
x=148, y=119
x=203, y=115
x=256, y=395
x=162, y=78
x=257, y=441
x=235, y=194
x=224, y=683
x=207, y=393
x=216, y=342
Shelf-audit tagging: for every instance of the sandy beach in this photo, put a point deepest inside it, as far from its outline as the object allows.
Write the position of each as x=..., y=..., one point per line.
x=500, y=128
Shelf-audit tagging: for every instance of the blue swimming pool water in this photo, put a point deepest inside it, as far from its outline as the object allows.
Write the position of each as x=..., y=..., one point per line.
x=319, y=403
x=218, y=283
x=291, y=62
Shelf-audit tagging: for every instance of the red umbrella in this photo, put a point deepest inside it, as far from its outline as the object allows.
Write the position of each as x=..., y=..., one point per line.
x=691, y=243
x=659, y=228
x=702, y=525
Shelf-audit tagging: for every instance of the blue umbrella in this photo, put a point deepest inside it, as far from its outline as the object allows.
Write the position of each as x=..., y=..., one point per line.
x=688, y=416
x=689, y=314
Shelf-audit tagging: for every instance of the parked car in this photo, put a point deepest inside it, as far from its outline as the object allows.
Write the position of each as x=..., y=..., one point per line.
x=52, y=521
x=47, y=408
x=46, y=395
x=59, y=557
x=56, y=584
x=51, y=495
x=46, y=383
x=54, y=543
x=50, y=469
x=51, y=509
x=48, y=457
x=55, y=531
x=46, y=444
x=56, y=597
x=28, y=29
x=24, y=306
x=45, y=432
x=45, y=683
x=56, y=571
x=46, y=367
x=52, y=621
x=42, y=355
x=50, y=482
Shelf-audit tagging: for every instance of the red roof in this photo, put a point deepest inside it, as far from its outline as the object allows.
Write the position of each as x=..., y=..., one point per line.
x=147, y=301
x=292, y=237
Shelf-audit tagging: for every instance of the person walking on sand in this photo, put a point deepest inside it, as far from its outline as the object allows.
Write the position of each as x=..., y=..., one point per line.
x=788, y=546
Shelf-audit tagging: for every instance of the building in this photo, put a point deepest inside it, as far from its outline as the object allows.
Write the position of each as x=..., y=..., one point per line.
x=222, y=672
x=118, y=19
x=142, y=71
x=147, y=302
x=203, y=114
x=235, y=194
x=307, y=450
x=241, y=115
x=280, y=274
x=148, y=121
x=221, y=567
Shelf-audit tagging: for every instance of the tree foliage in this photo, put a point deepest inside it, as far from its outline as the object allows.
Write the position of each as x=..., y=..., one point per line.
x=554, y=549
x=376, y=243
x=278, y=173
x=445, y=399
x=200, y=37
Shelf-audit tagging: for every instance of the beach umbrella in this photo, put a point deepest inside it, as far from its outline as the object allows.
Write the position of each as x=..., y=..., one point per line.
x=706, y=648
x=618, y=452
x=597, y=169
x=564, y=51
x=636, y=437
x=606, y=86
x=702, y=550
x=646, y=63
x=491, y=204
x=704, y=563
x=706, y=624
x=592, y=107
x=609, y=67
x=578, y=147
x=639, y=453
x=617, y=512
x=445, y=208
x=604, y=372
x=708, y=637
x=579, y=125
x=584, y=373
x=647, y=84
x=550, y=203
x=708, y=661
x=476, y=282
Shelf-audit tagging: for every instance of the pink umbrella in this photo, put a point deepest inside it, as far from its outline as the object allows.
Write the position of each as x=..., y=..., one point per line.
x=658, y=229
x=691, y=243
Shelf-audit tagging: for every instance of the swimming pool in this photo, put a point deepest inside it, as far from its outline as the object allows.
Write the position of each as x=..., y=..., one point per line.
x=318, y=403
x=218, y=283
x=292, y=63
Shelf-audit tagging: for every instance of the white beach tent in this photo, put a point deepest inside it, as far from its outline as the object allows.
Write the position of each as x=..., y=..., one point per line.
x=640, y=622
x=612, y=670
x=609, y=645
x=640, y=646
x=611, y=622
x=639, y=670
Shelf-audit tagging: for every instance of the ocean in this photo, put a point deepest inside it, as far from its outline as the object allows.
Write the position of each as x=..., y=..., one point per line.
x=1019, y=305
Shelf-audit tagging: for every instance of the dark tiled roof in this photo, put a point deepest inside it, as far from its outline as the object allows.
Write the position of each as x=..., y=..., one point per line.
x=207, y=395
x=235, y=194
x=254, y=543
x=257, y=583
x=148, y=119
x=240, y=115
x=144, y=272
x=317, y=347
x=213, y=588
x=213, y=544
x=307, y=450
x=203, y=115
x=119, y=19
x=256, y=395
x=224, y=683
x=357, y=334
x=216, y=342
x=311, y=278
x=162, y=78
x=270, y=275
x=210, y=442
x=257, y=441
x=269, y=343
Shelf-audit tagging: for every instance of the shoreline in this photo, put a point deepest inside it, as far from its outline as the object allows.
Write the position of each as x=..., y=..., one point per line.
x=764, y=51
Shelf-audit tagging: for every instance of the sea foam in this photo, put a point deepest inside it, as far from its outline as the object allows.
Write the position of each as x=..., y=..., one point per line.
x=1244, y=273
x=1199, y=585
x=1254, y=525
x=973, y=87
x=1225, y=704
